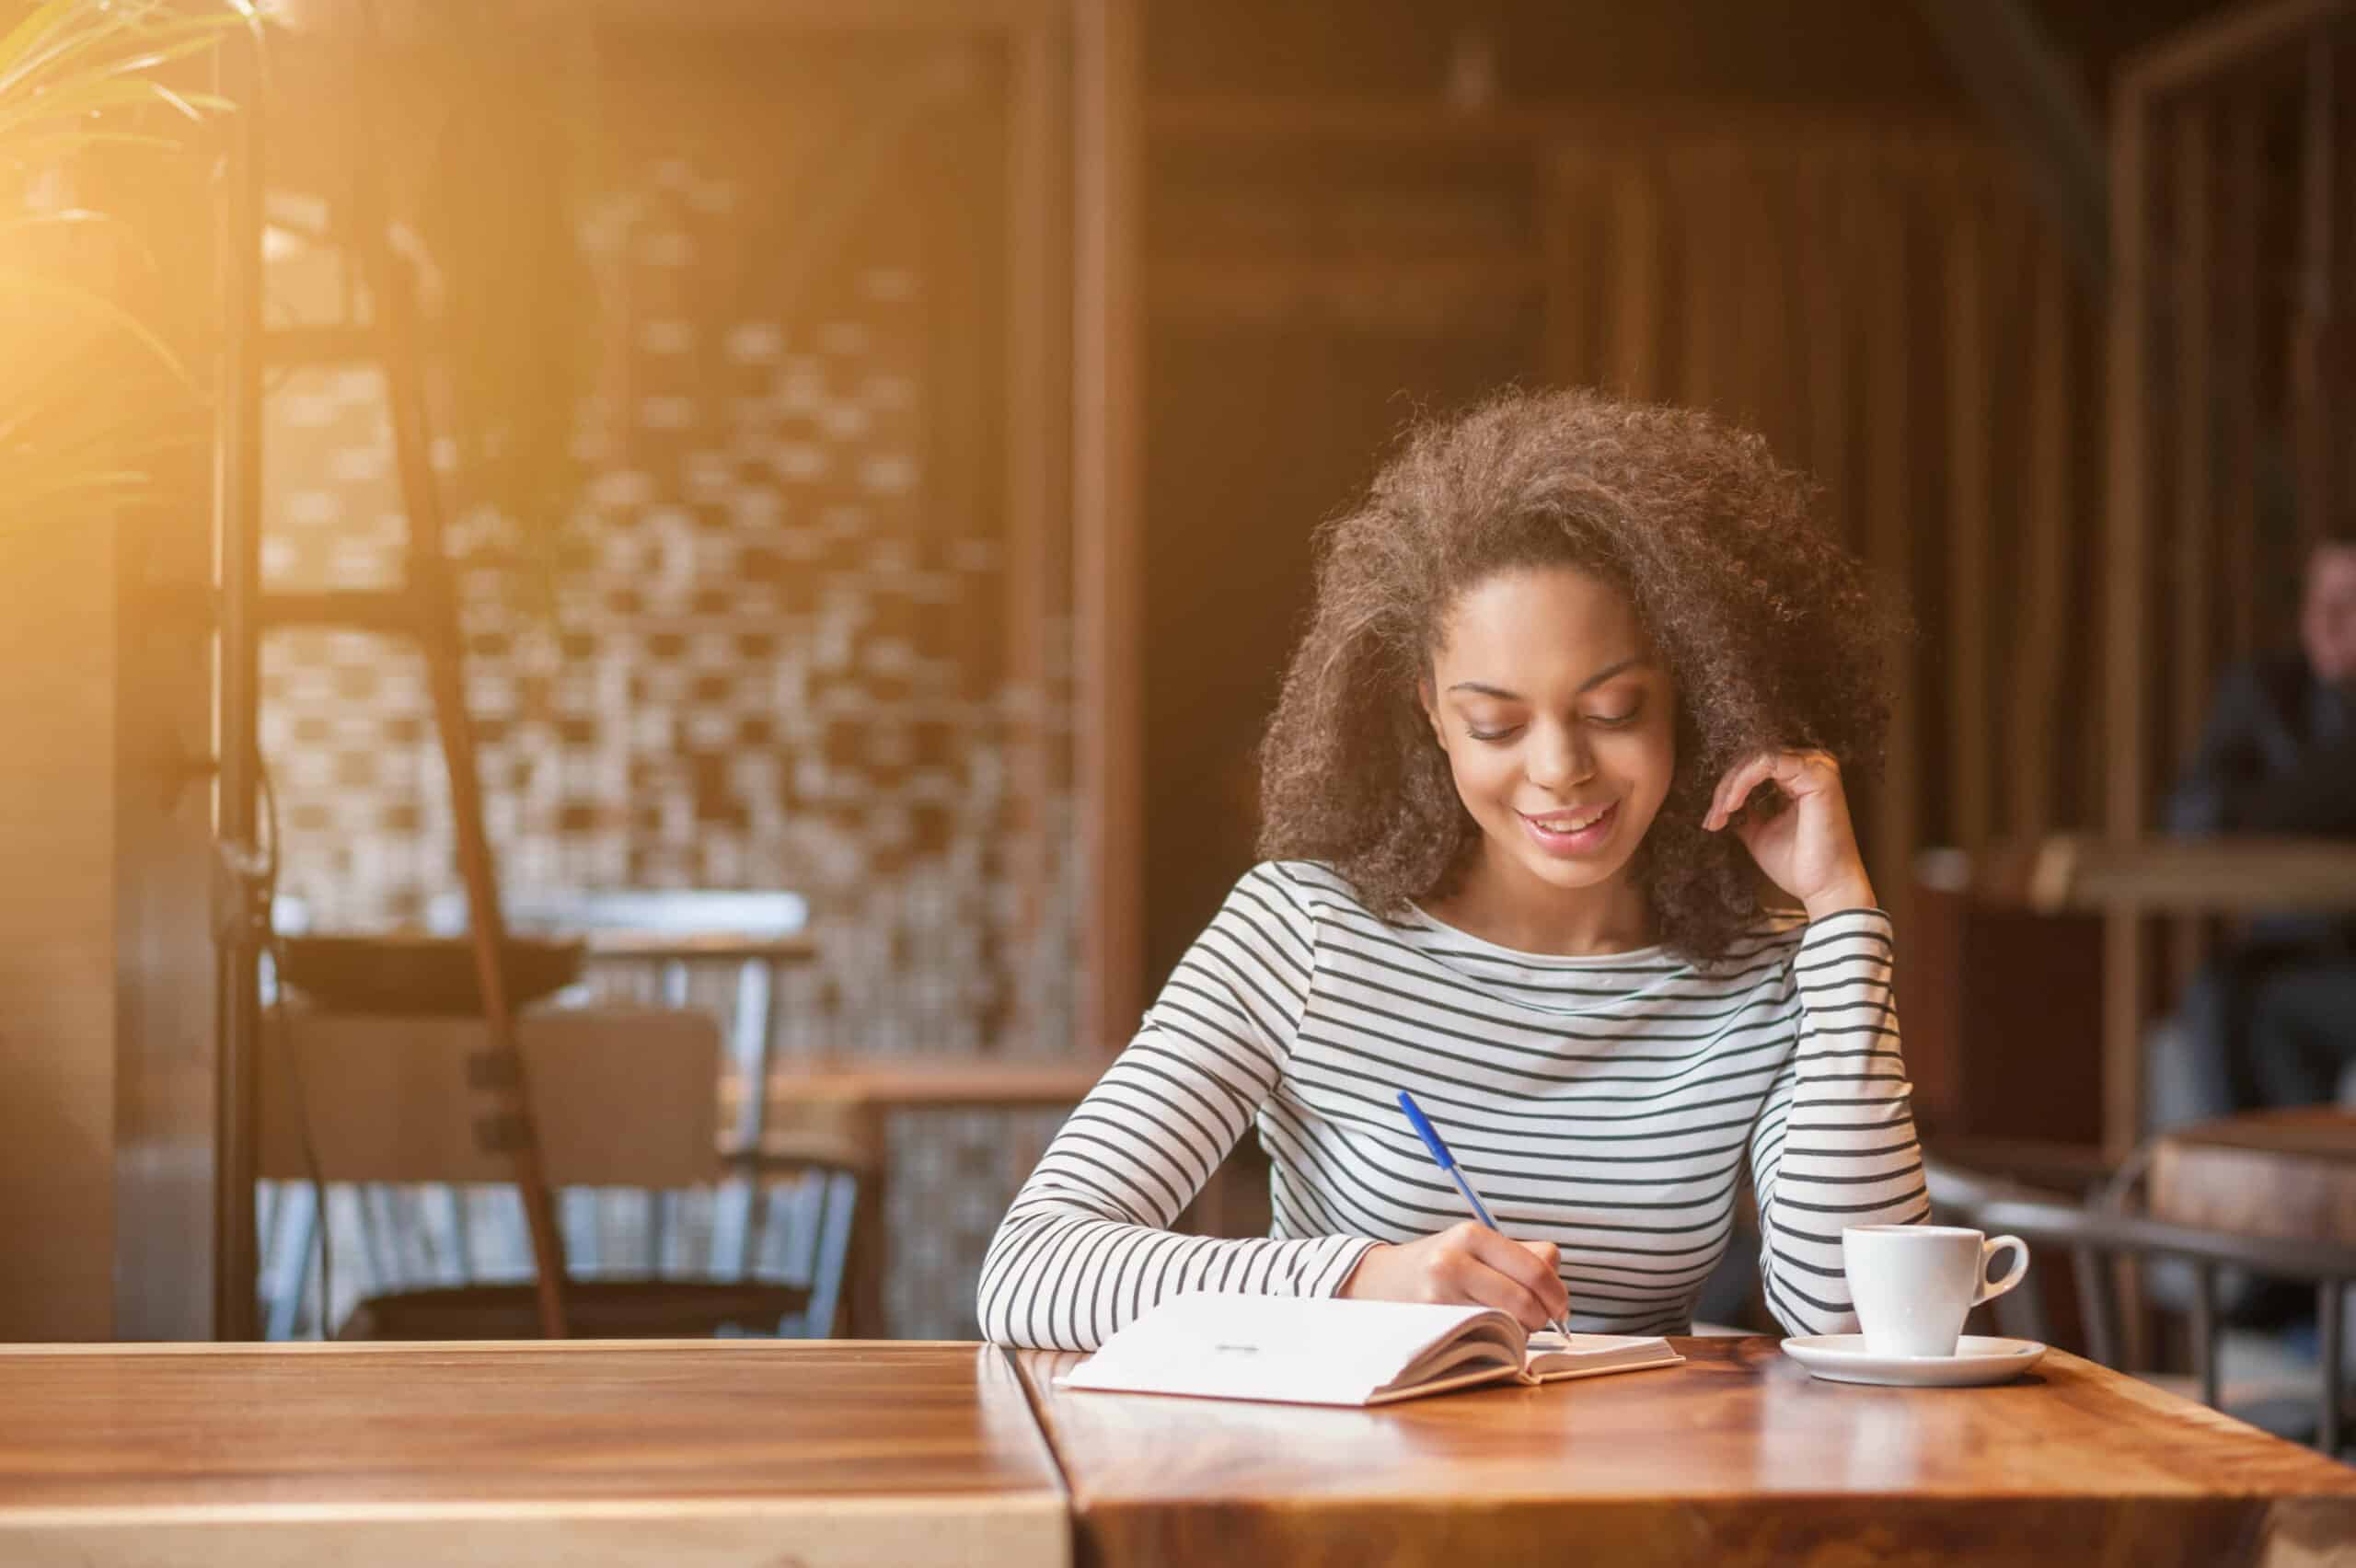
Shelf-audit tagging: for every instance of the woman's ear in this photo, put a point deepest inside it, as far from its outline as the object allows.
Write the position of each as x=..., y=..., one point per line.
x=1429, y=700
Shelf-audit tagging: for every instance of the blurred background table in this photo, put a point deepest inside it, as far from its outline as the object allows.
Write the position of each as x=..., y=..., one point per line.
x=2192, y=876
x=2041, y=956
x=836, y=1109
x=2288, y=1173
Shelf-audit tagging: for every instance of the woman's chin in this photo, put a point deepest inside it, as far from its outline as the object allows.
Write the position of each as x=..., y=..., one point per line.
x=1573, y=875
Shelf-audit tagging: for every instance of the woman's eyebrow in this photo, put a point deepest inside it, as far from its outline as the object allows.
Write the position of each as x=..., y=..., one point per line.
x=1604, y=674
x=1483, y=689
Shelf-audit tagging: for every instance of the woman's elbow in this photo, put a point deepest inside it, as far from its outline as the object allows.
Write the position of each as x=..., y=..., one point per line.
x=1000, y=1295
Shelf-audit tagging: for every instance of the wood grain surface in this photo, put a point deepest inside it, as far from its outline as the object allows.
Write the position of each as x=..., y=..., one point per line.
x=704, y=1452
x=2288, y=1173
x=1737, y=1457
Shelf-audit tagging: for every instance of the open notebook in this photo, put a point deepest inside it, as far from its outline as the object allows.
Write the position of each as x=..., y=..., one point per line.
x=1327, y=1351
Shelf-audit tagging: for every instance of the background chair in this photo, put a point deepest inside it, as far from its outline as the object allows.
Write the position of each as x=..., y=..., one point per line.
x=668, y=935
x=625, y=1099
x=2102, y=1228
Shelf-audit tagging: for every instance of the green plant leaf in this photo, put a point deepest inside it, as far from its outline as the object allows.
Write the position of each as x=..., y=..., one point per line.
x=99, y=94
x=207, y=39
x=79, y=217
x=58, y=144
x=17, y=47
x=28, y=286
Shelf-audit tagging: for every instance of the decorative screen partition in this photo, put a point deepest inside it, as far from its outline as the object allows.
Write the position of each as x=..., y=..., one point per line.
x=839, y=614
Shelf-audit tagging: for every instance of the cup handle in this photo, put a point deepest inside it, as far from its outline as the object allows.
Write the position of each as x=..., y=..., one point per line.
x=1987, y=1292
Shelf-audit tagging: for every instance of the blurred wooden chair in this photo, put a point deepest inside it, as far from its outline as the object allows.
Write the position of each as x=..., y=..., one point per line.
x=2106, y=1227
x=624, y=1098
x=668, y=935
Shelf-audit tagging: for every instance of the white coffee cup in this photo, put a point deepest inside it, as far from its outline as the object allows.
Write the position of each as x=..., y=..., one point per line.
x=1913, y=1284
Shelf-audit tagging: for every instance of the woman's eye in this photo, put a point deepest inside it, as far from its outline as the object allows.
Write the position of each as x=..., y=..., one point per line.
x=1616, y=720
x=1493, y=736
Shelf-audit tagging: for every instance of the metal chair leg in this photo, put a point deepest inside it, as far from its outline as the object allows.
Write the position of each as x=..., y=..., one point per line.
x=295, y=1218
x=662, y=1223
x=584, y=1224
x=839, y=1217
x=2331, y=1296
x=733, y=1206
x=2098, y=1303
x=756, y=1015
x=733, y=1218
x=2204, y=1331
x=373, y=1203
x=462, y=1240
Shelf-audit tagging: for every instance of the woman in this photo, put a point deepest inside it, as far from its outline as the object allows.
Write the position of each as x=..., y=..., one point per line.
x=1557, y=841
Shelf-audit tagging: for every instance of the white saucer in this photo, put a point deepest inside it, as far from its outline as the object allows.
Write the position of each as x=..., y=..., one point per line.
x=1978, y=1358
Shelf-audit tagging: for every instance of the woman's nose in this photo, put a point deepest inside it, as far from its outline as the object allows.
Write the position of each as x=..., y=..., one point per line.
x=1559, y=756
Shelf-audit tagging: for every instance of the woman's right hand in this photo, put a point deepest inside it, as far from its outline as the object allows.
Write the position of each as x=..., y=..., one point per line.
x=1467, y=1265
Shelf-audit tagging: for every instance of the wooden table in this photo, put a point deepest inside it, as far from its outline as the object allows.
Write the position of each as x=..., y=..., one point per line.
x=829, y=1454
x=2287, y=1173
x=1737, y=1457
x=691, y=1455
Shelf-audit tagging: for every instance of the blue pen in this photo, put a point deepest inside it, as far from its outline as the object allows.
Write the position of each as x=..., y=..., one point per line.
x=1430, y=1135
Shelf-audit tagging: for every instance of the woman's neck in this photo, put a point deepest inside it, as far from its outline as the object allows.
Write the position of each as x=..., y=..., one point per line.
x=1499, y=901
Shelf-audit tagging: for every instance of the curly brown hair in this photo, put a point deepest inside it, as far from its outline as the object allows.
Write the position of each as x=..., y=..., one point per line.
x=1774, y=635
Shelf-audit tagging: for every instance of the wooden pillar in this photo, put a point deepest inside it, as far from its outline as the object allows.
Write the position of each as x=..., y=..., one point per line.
x=59, y=955
x=1890, y=513
x=1566, y=191
x=2126, y=574
x=235, y=1095
x=1636, y=329
x=2192, y=392
x=1108, y=510
x=107, y=1155
x=1970, y=459
x=1826, y=204
x=2319, y=314
x=1038, y=479
x=2048, y=561
x=2239, y=305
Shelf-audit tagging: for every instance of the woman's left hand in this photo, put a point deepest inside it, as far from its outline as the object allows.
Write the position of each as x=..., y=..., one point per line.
x=1809, y=848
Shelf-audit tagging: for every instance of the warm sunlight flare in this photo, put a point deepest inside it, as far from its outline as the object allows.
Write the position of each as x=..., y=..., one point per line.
x=1051, y=781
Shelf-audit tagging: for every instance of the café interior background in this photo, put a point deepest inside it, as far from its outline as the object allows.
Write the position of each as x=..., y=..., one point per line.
x=813, y=631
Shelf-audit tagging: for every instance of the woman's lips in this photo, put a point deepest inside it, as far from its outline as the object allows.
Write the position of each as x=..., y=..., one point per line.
x=1586, y=841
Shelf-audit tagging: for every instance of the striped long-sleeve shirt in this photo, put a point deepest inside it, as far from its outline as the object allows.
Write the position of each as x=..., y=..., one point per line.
x=1605, y=1104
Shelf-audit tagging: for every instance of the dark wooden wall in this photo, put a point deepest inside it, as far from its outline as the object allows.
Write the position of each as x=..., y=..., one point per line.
x=1786, y=214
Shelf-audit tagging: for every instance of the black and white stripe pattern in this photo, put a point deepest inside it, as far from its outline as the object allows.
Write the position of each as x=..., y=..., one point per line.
x=1605, y=1104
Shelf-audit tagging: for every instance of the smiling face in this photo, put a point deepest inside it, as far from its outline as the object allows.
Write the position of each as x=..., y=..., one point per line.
x=1559, y=724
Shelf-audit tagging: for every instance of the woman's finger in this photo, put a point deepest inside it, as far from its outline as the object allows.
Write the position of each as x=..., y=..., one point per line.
x=1718, y=796
x=1805, y=772
x=1479, y=1282
x=1737, y=786
x=1796, y=772
x=1524, y=1267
